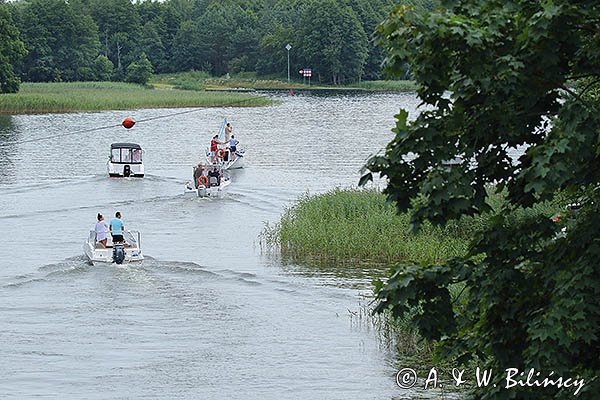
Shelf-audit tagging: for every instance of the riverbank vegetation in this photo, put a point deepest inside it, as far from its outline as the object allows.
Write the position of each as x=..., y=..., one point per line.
x=362, y=227
x=199, y=80
x=387, y=86
x=358, y=233
x=123, y=40
x=97, y=96
x=494, y=76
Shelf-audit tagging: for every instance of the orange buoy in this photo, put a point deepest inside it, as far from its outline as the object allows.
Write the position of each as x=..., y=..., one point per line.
x=220, y=153
x=128, y=123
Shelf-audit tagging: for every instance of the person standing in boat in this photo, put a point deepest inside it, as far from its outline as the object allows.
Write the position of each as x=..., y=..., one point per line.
x=214, y=146
x=101, y=230
x=228, y=130
x=233, y=142
x=198, y=172
x=117, y=229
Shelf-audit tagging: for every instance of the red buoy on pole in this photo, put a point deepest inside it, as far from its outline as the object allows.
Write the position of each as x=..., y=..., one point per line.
x=128, y=123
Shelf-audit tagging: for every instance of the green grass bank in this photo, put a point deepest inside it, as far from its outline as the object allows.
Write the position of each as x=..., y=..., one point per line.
x=98, y=96
x=198, y=80
x=359, y=226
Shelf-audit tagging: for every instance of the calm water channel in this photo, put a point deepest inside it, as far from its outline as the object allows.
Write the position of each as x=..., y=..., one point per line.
x=208, y=316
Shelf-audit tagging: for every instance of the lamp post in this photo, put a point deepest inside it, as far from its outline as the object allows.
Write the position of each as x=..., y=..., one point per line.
x=288, y=47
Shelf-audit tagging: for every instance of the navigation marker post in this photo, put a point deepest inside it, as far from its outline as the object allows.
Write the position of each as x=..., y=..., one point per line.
x=306, y=72
x=288, y=47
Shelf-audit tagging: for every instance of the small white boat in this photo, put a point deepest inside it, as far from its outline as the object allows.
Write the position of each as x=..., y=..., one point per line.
x=125, y=160
x=209, y=181
x=226, y=160
x=118, y=253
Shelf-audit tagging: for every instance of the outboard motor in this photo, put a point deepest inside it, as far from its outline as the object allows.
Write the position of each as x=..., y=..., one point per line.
x=118, y=253
x=127, y=171
x=201, y=191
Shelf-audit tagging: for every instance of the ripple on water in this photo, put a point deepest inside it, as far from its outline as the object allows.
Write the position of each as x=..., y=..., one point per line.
x=207, y=316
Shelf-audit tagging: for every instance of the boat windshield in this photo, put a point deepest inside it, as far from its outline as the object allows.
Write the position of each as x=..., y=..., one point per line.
x=126, y=155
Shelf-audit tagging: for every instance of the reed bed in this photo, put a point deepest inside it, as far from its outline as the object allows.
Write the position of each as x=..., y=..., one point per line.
x=361, y=226
x=98, y=96
x=388, y=86
x=353, y=224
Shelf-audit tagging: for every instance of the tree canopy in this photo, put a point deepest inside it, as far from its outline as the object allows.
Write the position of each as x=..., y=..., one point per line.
x=334, y=41
x=333, y=37
x=61, y=44
x=11, y=51
x=498, y=78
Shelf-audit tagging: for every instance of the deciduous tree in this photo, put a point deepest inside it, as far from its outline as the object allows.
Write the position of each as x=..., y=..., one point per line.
x=139, y=71
x=496, y=76
x=334, y=42
x=11, y=50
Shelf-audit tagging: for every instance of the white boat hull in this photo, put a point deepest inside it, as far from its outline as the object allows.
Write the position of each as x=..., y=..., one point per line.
x=99, y=255
x=202, y=192
x=239, y=162
x=118, y=170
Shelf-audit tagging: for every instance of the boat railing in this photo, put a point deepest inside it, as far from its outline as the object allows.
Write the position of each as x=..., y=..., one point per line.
x=133, y=238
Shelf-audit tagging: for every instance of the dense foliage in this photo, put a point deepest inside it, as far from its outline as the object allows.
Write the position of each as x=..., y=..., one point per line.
x=497, y=75
x=333, y=37
x=11, y=50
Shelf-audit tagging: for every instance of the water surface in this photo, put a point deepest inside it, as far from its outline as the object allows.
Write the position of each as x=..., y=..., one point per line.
x=208, y=315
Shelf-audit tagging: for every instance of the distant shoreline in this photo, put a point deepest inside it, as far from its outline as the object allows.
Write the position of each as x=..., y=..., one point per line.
x=250, y=82
x=180, y=90
x=40, y=98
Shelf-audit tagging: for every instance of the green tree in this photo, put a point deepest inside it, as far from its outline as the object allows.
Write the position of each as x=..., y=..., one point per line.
x=102, y=69
x=152, y=45
x=281, y=24
x=497, y=75
x=62, y=43
x=228, y=30
x=11, y=51
x=187, y=47
x=161, y=21
x=119, y=29
x=272, y=53
x=334, y=42
x=139, y=71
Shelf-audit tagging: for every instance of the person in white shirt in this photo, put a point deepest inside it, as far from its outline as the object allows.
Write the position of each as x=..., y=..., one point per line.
x=101, y=230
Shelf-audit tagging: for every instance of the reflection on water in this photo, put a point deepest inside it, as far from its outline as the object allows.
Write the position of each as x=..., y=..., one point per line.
x=207, y=315
x=8, y=134
x=355, y=274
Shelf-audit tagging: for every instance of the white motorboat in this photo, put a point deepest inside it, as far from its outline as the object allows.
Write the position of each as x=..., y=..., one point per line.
x=119, y=253
x=209, y=181
x=224, y=156
x=125, y=160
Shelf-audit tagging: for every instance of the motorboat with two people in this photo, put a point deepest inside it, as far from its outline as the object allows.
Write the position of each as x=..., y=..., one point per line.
x=118, y=247
x=209, y=181
x=224, y=149
x=125, y=160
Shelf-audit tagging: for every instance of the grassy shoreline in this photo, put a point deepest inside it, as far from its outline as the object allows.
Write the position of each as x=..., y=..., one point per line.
x=179, y=90
x=358, y=225
x=99, y=96
x=197, y=80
